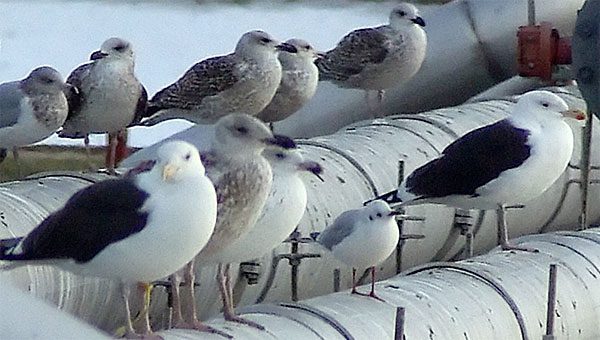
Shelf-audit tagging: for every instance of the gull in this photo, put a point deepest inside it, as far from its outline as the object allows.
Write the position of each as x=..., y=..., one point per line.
x=31, y=109
x=138, y=228
x=242, y=178
x=283, y=209
x=378, y=58
x=244, y=81
x=299, y=80
x=363, y=238
x=505, y=163
x=107, y=97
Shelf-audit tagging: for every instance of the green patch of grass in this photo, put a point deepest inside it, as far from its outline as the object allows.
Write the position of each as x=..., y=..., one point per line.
x=43, y=158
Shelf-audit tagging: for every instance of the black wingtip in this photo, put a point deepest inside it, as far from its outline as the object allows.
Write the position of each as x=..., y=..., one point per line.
x=282, y=141
x=389, y=197
x=315, y=235
x=6, y=246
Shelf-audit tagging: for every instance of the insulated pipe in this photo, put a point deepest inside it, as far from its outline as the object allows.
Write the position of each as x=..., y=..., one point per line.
x=472, y=45
x=359, y=161
x=500, y=295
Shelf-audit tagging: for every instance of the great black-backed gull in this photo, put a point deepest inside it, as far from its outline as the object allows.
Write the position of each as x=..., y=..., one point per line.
x=138, y=228
x=505, y=163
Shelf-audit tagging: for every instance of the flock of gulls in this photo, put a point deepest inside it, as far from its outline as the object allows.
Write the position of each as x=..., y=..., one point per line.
x=244, y=196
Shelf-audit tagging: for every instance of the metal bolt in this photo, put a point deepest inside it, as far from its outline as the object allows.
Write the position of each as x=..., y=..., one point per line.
x=251, y=271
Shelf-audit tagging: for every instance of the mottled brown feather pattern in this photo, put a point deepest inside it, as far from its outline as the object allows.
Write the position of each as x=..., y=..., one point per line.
x=74, y=97
x=206, y=78
x=353, y=53
x=242, y=192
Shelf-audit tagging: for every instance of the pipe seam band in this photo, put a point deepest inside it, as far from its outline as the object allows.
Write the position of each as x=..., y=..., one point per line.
x=321, y=315
x=278, y=311
x=483, y=277
x=350, y=160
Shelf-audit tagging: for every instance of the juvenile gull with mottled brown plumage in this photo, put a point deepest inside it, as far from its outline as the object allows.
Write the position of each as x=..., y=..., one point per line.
x=241, y=82
x=299, y=80
x=32, y=109
x=378, y=58
x=109, y=97
x=242, y=179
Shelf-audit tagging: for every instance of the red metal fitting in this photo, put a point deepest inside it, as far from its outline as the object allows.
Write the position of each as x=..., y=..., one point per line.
x=540, y=47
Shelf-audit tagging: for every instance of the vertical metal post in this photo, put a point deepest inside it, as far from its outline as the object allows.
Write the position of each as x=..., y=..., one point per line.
x=550, y=312
x=294, y=273
x=531, y=12
x=399, y=331
x=336, y=280
x=586, y=148
x=400, y=223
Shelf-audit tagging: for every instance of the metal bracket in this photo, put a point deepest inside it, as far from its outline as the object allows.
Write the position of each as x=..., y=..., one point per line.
x=251, y=271
x=463, y=220
x=294, y=260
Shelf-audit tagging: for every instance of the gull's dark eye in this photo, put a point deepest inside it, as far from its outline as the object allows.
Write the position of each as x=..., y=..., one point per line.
x=47, y=80
x=242, y=129
x=370, y=218
x=307, y=47
x=279, y=155
x=545, y=104
x=401, y=13
x=265, y=40
x=378, y=214
x=188, y=156
x=119, y=48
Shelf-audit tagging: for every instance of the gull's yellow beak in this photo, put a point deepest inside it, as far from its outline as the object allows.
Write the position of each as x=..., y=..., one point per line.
x=575, y=114
x=169, y=171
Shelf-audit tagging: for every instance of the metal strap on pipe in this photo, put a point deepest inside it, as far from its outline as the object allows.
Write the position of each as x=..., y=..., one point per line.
x=321, y=315
x=349, y=158
x=484, y=277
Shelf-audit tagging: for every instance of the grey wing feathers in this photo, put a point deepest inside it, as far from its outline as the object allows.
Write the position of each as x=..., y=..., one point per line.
x=74, y=95
x=353, y=53
x=341, y=228
x=204, y=79
x=10, y=103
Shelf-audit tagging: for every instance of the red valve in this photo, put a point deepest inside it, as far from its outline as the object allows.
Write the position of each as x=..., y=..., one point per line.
x=540, y=47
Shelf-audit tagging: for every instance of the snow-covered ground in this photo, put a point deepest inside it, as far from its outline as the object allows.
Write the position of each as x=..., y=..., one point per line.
x=168, y=38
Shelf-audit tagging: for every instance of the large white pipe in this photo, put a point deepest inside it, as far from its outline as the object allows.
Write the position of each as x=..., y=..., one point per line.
x=500, y=295
x=359, y=161
x=471, y=46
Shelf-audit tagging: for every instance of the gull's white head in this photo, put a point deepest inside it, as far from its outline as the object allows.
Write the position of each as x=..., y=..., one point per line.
x=290, y=162
x=241, y=134
x=178, y=160
x=378, y=212
x=114, y=48
x=256, y=43
x=44, y=80
x=304, y=53
x=405, y=14
x=546, y=103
